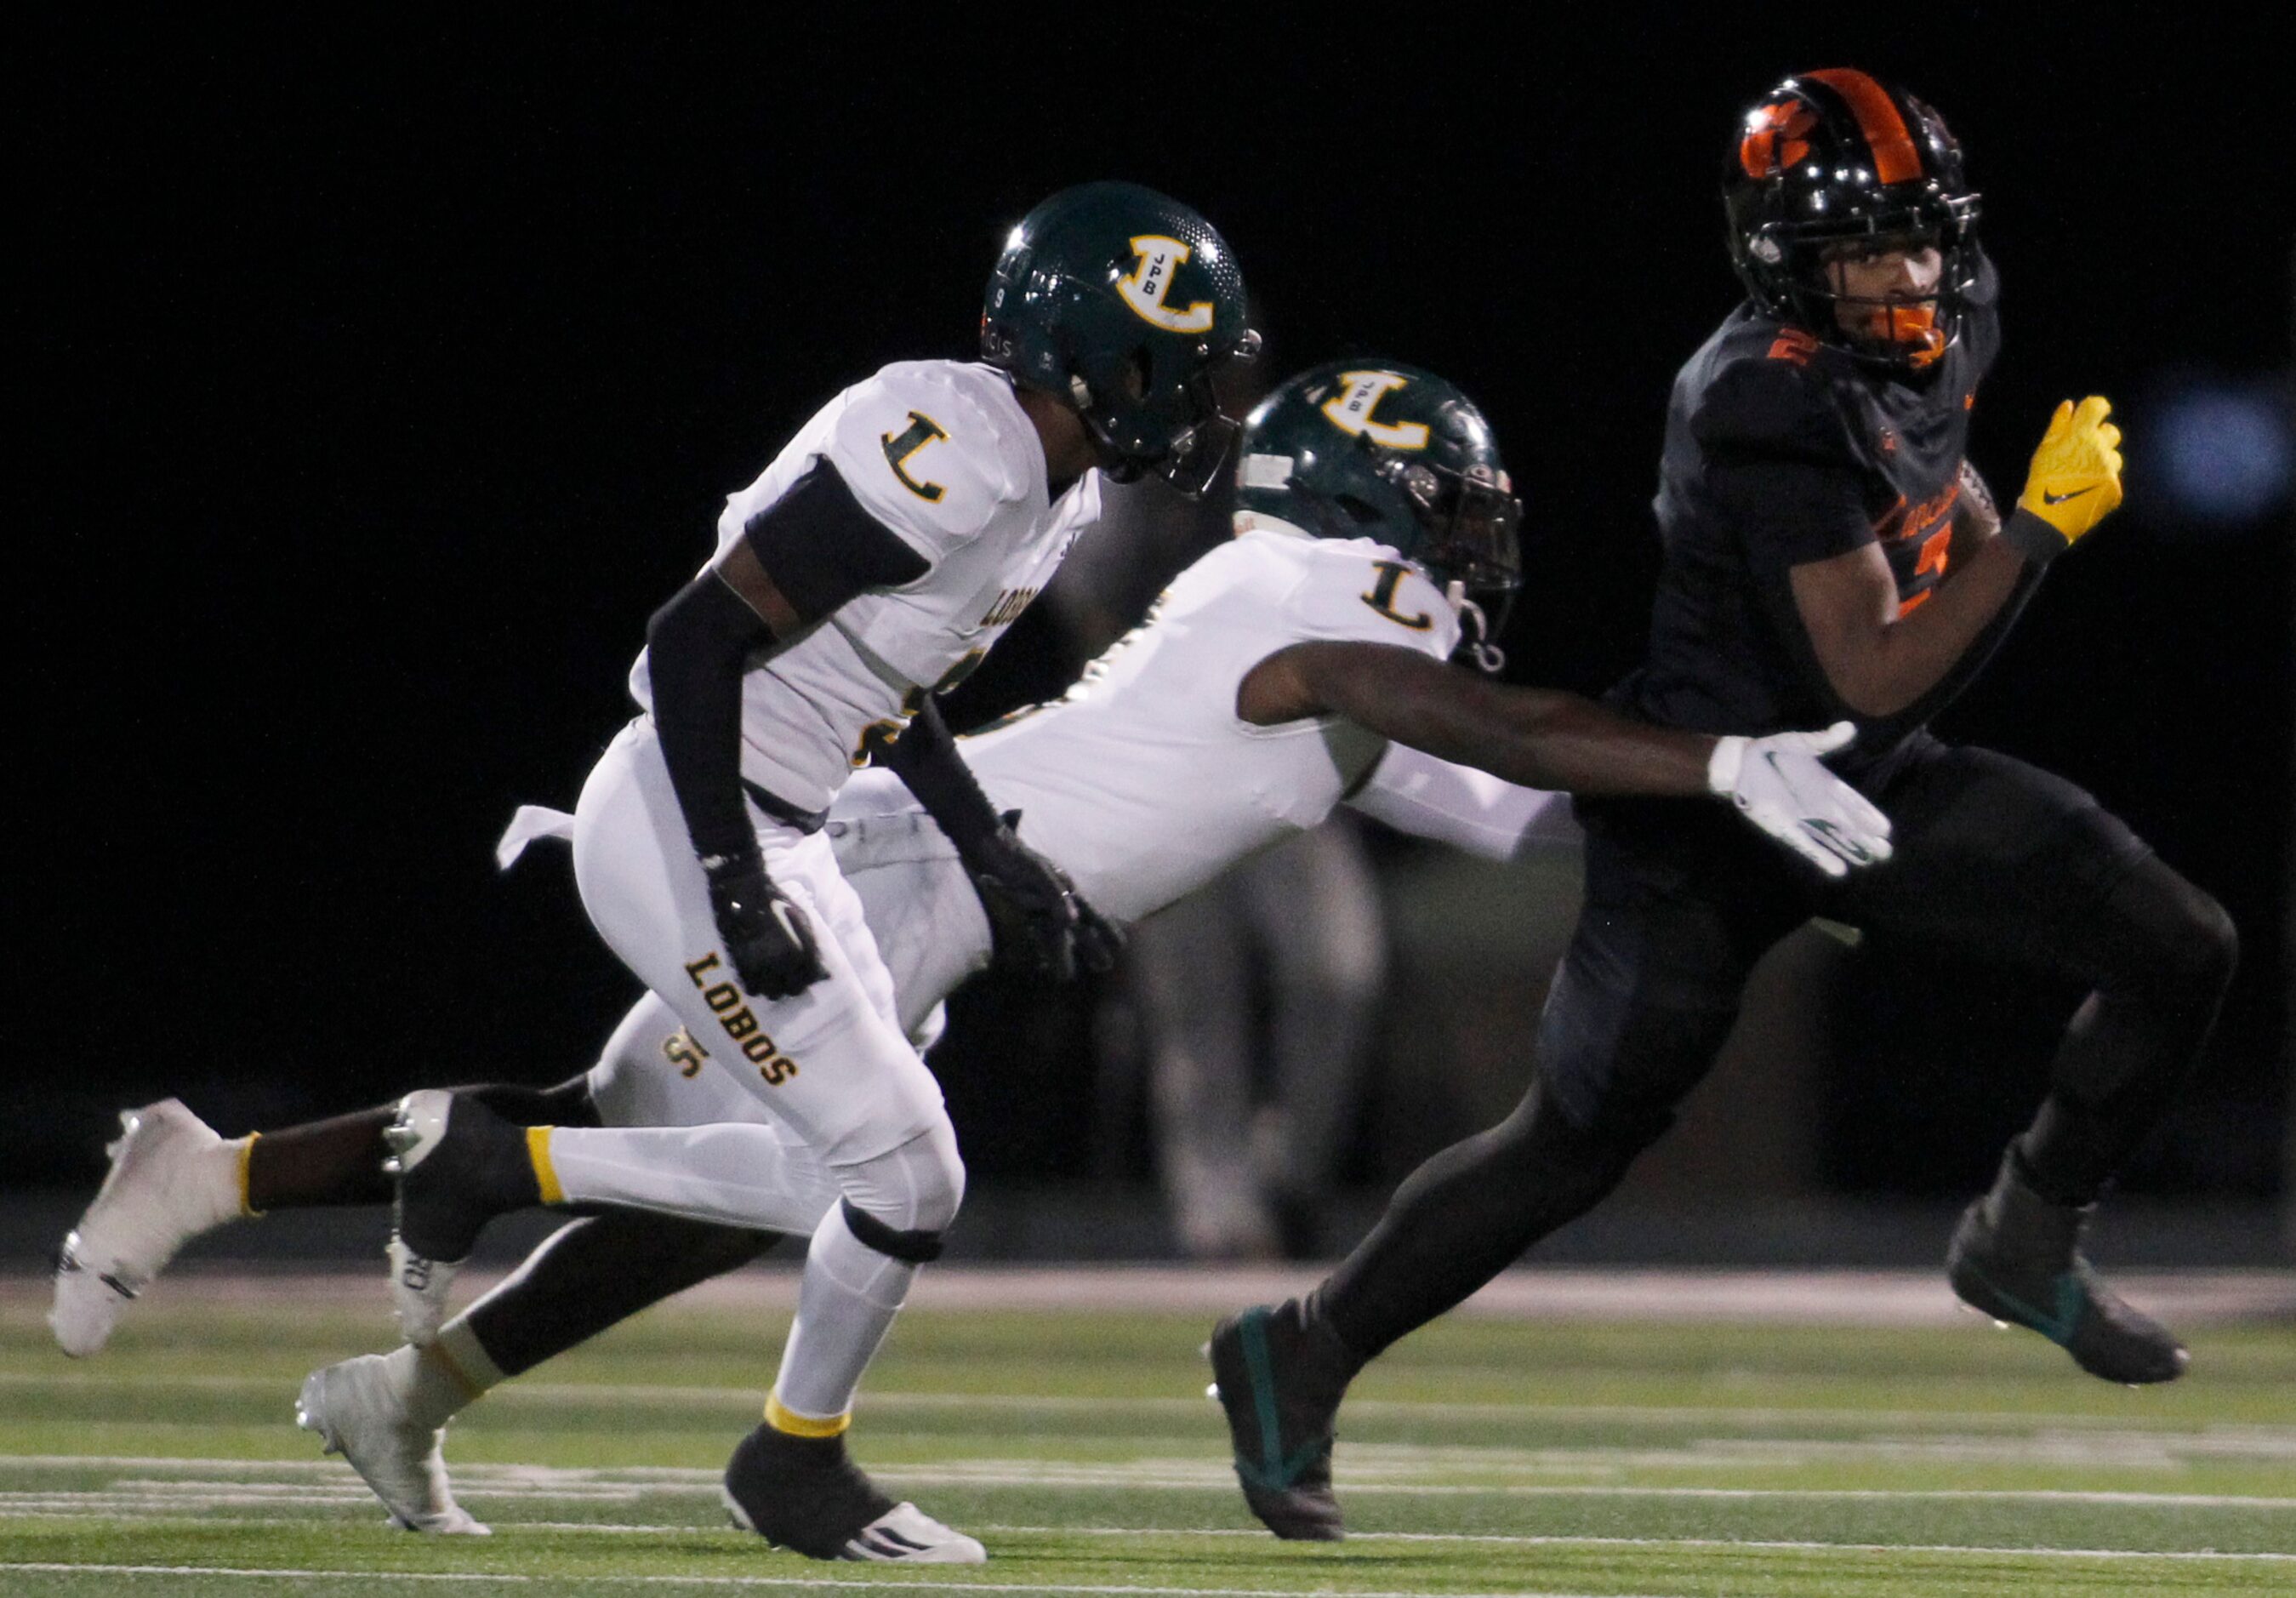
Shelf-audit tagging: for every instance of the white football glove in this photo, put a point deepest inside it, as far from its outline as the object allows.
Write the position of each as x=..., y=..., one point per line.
x=1779, y=785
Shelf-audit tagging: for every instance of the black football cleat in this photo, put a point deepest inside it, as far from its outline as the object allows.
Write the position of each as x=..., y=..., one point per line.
x=2016, y=1257
x=1279, y=1376
x=458, y=1164
x=807, y=1494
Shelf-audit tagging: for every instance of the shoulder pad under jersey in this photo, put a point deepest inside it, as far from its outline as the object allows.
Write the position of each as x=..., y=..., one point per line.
x=928, y=450
x=1361, y=590
x=1772, y=389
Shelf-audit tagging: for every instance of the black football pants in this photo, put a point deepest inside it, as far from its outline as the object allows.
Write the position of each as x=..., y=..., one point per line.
x=1994, y=857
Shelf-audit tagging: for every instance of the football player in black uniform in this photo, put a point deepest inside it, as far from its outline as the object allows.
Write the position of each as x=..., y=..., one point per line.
x=1828, y=551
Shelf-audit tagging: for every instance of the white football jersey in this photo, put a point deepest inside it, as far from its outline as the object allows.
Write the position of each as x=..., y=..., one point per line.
x=941, y=453
x=1142, y=781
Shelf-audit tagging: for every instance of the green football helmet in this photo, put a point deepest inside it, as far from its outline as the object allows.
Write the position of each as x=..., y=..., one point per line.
x=1124, y=302
x=1376, y=449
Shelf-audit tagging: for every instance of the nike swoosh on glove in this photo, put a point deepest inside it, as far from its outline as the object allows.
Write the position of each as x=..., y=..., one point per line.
x=1780, y=784
x=2075, y=482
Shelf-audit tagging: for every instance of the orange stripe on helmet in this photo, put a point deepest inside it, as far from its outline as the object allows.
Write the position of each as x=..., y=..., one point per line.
x=1774, y=138
x=1895, y=159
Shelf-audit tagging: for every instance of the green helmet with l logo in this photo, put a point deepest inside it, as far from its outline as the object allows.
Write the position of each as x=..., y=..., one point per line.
x=1124, y=302
x=1377, y=449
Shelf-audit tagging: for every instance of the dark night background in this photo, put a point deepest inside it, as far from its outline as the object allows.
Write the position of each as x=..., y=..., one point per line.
x=377, y=380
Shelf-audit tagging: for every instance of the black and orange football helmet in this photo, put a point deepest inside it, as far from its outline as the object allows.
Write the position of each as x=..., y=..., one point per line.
x=1837, y=156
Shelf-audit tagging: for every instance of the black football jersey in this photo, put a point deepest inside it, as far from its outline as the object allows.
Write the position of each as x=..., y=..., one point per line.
x=1781, y=450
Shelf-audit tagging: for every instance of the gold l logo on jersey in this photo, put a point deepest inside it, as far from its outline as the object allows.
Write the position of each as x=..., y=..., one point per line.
x=1350, y=410
x=1144, y=287
x=1382, y=597
x=922, y=430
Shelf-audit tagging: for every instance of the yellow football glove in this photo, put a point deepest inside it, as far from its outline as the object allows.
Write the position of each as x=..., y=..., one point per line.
x=2076, y=477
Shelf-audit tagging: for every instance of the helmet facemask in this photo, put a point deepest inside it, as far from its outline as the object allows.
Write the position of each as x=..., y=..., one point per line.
x=1835, y=158
x=1154, y=408
x=1464, y=540
x=1899, y=329
x=1467, y=520
x=1470, y=545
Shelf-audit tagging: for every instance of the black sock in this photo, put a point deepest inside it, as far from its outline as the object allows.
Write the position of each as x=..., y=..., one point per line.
x=599, y=1270
x=321, y=1163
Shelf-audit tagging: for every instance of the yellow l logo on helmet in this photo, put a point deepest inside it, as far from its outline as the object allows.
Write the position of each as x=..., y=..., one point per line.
x=1144, y=287
x=1350, y=410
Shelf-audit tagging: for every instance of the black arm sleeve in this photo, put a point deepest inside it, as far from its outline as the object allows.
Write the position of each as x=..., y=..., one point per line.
x=697, y=648
x=821, y=548
x=924, y=757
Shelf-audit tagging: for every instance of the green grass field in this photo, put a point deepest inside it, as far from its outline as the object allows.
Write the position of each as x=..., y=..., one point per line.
x=1483, y=1456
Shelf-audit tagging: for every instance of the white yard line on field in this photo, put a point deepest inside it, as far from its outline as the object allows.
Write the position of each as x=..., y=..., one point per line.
x=1493, y=1539
x=1529, y=1540
x=753, y=1581
x=1798, y=1297
x=608, y=1485
x=2274, y=1437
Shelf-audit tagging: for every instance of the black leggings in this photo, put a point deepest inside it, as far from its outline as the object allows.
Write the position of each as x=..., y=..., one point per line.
x=2002, y=861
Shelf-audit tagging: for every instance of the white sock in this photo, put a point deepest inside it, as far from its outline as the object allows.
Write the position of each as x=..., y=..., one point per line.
x=733, y=1172
x=845, y=1306
x=440, y=1380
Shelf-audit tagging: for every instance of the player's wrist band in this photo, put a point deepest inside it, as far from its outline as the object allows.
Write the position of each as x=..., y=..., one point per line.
x=2034, y=538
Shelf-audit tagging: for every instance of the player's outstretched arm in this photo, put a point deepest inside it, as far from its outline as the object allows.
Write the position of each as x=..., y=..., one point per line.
x=1446, y=802
x=1547, y=739
x=1879, y=660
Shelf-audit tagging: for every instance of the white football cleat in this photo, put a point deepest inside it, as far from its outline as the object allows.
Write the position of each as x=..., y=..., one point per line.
x=171, y=1178
x=907, y=1532
x=358, y=1411
x=419, y=1288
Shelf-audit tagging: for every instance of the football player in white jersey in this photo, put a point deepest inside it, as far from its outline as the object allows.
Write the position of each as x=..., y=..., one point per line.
x=1262, y=694
x=876, y=559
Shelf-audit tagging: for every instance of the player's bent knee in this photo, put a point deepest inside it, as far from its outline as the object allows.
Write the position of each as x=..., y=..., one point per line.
x=1547, y=1147
x=2190, y=945
x=916, y=1245
x=1591, y=1160
x=2210, y=944
x=913, y=1188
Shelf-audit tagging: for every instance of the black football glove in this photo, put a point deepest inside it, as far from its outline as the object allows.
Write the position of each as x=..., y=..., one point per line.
x=767, y=936
x=1040, y=924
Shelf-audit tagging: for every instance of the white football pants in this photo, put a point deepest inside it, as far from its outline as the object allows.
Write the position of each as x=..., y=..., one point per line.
x=830, y=1065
